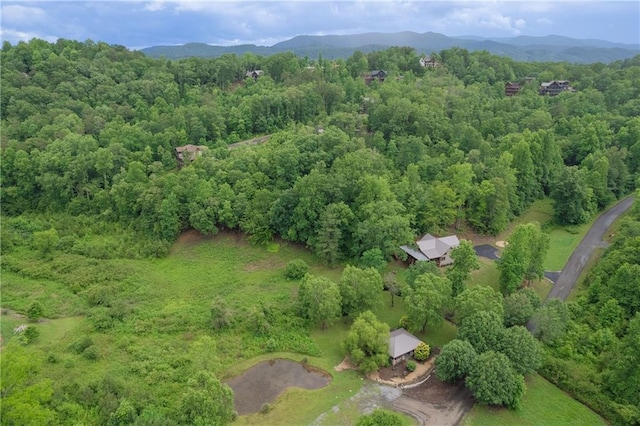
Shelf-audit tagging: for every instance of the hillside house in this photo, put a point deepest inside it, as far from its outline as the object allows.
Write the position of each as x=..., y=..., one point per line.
x=190, y=152
x=379, y=75
x=433, y=249
x=511, y=89
x=428, y=62
x=555, y=87
x=402, y=344
x=253, y=74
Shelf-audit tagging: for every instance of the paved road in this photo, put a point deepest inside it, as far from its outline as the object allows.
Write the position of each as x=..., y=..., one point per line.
x=574, y=267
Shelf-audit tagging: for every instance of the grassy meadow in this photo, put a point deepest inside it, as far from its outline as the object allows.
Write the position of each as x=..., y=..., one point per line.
x=148, y=322
x=543, y=404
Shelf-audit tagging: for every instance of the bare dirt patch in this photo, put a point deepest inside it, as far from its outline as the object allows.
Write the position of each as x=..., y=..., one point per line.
x=399, y=375
x=344, y=365
x=501, y=244
x=261, y=265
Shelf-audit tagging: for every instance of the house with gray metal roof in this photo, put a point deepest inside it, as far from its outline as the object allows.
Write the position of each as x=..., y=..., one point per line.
x=433, y=249
x=401, y=345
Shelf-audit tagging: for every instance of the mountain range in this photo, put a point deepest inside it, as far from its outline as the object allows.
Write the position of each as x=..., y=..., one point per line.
x=522, y=48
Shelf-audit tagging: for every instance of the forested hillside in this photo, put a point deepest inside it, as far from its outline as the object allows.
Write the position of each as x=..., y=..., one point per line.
x=90, y=181
x=90, y=129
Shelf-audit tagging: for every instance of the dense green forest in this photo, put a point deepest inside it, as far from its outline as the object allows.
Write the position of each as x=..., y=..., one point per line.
x=351, y=170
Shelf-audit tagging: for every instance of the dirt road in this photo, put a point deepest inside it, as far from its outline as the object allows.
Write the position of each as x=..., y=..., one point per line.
x=574, y=267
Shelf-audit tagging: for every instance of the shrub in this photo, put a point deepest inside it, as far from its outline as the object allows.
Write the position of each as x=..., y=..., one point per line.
x=381, y=417
x=405, y=322
x=266, y=407
x=91, y=353
x=81, y=344
x=35, y=311
x=31, y=333
x=422, y=352
x=271, y=345
x=411, y=365
x=296, y=269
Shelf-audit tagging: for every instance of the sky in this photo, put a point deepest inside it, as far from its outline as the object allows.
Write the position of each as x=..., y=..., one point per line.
x=139, y=24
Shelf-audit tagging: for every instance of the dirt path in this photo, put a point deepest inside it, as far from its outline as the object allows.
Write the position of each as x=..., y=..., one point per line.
x=578, y=260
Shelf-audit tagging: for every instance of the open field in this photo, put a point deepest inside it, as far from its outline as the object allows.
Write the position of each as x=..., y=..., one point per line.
x=543, y=404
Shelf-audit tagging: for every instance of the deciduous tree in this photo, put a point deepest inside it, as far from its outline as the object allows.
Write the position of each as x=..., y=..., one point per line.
x=367, y=343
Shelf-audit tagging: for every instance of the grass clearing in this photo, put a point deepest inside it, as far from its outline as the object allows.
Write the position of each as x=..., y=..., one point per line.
x=543, y=404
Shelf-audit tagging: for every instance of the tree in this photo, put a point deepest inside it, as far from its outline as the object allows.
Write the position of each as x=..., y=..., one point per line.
x=373, y=258
x=573, y=200
x=206, y=401
x=522, y=349
x=465, y=260
x=482, y=329
x=493, y=381
x=622, y=376
x=477, y=299
x=367, y=343
x=25, y=394
x=425, y=300
x=319, y=300
x=392, y=285
x=518, y=308
x=455, y=360
x=523, y=258
x=360, y=289
x=550, y=322
x=296, y=269
x=381, y=417
x=46, y=242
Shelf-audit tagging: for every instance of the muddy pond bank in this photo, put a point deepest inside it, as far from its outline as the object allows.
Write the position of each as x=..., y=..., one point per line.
x=265, y=381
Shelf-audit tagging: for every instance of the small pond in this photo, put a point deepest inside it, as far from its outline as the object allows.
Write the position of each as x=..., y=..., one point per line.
x=264, y=382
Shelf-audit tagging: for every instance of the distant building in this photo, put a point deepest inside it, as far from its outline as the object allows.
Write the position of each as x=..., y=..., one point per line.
x=430, y=248
x=511, y=89
x=253, y=74
x=379, y=75
x=428, y=62
x=555, y=87
x=190, y=152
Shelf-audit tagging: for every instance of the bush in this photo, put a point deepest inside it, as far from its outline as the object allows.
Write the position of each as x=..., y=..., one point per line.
x=31, y=333
x=381, y=417
x=422, y=352
x=91, y=353
x=266, y=407
x=271, y=345
x=296, y=269
x=411, y=365
x=81, y=344
x=405, y=322
x=35, y=311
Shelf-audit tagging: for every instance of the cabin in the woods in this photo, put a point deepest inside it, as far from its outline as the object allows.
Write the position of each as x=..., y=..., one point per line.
x=378, y=75
x=188, y=152
x=430, y=248
x=511, y=89
x=428, y=62
x=253, y=74
x=555, y=87
x=402, y=344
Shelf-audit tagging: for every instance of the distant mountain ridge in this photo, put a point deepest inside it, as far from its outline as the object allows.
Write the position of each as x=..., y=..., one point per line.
x=522, y=48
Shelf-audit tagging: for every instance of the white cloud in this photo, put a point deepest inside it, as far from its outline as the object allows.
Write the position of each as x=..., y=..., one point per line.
x=14, y=36
x=544, y=21
x=16, y=14
x=154, y=6
x=482, y=16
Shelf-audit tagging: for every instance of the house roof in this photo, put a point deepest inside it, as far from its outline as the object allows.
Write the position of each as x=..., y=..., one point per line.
x=402, y=342
x=434, y=248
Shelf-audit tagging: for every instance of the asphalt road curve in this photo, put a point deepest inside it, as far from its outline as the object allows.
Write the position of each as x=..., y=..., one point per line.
x=572, y=270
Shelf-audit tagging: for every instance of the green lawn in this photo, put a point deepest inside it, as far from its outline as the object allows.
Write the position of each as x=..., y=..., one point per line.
x=543, y=404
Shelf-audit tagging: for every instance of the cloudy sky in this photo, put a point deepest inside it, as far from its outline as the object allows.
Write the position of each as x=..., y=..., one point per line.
x=138, y=24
